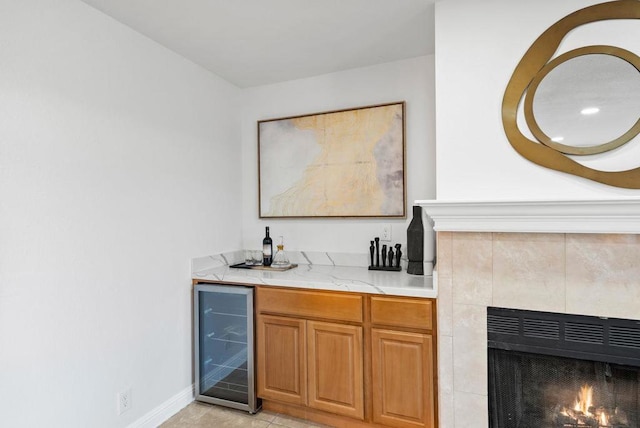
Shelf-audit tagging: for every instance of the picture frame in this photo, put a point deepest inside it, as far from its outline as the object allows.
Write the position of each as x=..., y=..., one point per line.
x=342, y=163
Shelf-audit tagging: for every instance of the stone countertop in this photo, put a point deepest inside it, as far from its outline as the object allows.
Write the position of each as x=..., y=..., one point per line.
x=316, y=276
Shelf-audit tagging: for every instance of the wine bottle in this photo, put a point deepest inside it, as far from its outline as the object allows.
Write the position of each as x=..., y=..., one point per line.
x=267, y=249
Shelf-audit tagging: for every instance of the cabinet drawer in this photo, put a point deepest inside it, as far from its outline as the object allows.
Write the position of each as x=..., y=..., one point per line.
x=310, y=304
x=402, y=312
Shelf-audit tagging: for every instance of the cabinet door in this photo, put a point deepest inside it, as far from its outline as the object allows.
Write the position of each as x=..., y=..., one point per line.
x=402, y=365
x=335, y=368
x=282, y=359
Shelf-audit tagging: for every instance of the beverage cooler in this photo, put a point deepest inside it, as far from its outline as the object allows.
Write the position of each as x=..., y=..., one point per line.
x=224, y=346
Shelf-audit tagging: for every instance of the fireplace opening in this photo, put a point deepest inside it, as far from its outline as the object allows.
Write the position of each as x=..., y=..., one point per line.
x=562, y=371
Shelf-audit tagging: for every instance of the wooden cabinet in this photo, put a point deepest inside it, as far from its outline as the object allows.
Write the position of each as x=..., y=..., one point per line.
x=347, y=359
x=314, y=363
x=282, y=359
x=402, y=361
x=335, y=371
x=402, y=378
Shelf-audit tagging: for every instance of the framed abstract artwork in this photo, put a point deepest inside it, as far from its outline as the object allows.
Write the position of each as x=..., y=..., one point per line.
x=345, y=163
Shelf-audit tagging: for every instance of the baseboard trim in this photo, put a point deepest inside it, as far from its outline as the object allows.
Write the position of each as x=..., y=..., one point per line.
x=165, y=410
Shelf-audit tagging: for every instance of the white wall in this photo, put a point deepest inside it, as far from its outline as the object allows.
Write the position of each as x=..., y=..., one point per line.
x=119, y=162
x=409, y=80
x=478, y=45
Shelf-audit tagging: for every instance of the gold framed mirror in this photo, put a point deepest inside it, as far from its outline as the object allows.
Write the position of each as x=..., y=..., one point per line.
x=530, y=84
x=587, y=100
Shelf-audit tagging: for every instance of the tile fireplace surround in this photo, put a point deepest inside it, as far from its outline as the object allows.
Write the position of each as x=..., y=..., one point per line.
x=578, y=257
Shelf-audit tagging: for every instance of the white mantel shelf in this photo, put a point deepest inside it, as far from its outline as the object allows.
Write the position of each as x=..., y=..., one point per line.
x=579, y=216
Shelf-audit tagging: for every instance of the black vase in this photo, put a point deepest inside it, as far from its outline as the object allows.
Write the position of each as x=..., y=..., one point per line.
x=415, y=243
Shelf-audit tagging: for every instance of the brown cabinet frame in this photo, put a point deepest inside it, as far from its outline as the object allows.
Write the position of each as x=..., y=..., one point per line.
x=404, y=325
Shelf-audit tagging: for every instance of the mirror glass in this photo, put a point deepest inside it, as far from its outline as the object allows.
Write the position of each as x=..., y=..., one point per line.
x=588, y=100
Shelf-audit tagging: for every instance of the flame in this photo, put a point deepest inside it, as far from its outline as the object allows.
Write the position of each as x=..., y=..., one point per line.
x=585, y=399
x=581, y=416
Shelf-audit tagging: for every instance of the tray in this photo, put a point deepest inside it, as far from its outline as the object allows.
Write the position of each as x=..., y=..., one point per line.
x=261, y=267
x=387, y=268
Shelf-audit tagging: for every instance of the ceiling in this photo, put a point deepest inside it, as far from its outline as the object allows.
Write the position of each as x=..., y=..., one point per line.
x=258, y=42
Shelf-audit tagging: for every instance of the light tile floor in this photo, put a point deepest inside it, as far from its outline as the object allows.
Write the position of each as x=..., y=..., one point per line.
x=201, y=415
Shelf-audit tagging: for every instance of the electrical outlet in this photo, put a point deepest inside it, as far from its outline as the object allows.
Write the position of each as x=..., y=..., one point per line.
x=124, y=400
x=385, y=234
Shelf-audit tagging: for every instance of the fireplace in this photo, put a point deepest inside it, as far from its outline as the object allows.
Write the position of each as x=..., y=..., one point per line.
x=549, y=370
x=567, y=257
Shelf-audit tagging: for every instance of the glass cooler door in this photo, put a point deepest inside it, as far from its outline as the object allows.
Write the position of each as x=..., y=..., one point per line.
x=224, y=346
